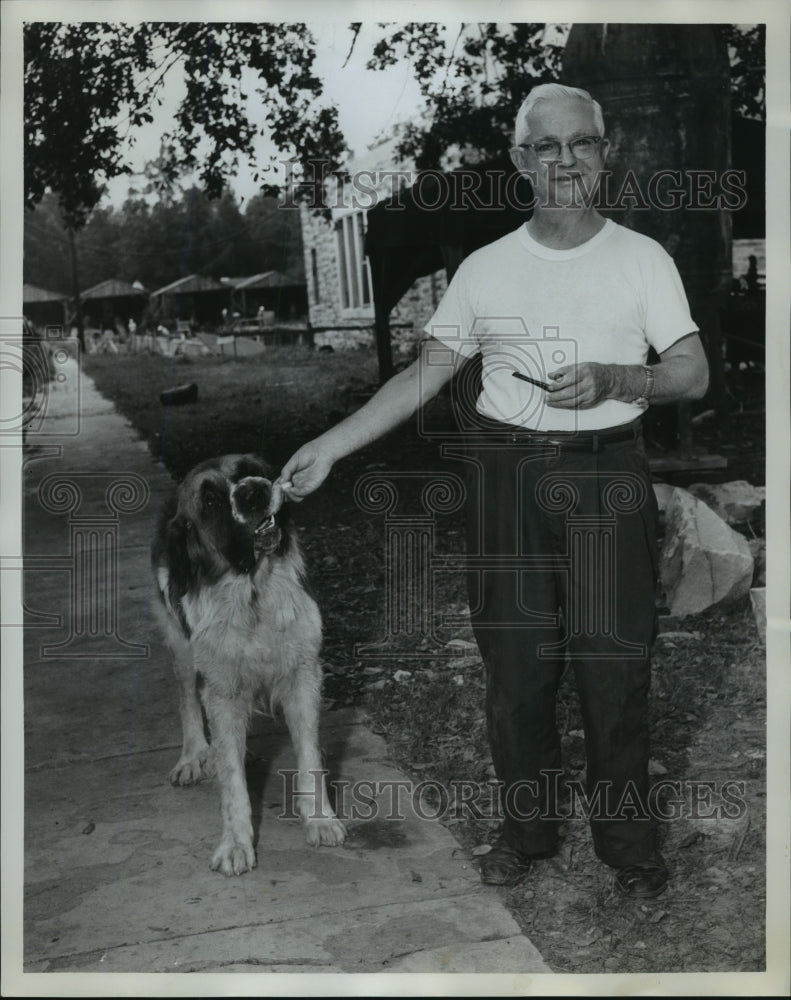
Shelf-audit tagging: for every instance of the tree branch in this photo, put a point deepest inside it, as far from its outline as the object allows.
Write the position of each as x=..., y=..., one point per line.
x=355, y=27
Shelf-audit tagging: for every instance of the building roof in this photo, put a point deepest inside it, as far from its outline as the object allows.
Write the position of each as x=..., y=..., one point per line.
x=267, y=279
x=192, y=283
x=113, y=288
x=31, y=293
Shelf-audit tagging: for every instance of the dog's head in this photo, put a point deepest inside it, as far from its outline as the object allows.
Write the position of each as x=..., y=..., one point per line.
x=228, y=517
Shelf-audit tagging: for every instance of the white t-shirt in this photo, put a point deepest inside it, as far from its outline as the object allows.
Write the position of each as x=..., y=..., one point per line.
x=532, y=309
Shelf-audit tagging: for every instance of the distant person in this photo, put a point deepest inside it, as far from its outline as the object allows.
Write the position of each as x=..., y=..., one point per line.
x=107, y=344
x=134, y=339
x=751, y=278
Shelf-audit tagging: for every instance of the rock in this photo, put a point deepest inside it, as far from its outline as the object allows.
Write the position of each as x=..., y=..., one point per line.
x=758, y=549
x=662, y=492
x=735, y=502
x=703, y=561
x=758, y=601
x=402, y=675
x=462, y=644
x=179, y=394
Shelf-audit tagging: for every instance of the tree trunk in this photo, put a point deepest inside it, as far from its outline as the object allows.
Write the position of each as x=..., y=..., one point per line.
x=384, y=350
x=664, y=90
x=75, y=284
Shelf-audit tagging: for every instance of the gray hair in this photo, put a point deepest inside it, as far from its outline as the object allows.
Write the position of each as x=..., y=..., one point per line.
x=549, y=92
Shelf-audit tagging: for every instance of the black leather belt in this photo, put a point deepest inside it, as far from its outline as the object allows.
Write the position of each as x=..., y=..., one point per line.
x=589, y=441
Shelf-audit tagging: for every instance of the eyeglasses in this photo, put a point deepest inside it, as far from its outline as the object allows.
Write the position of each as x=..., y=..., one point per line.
x=548, y=150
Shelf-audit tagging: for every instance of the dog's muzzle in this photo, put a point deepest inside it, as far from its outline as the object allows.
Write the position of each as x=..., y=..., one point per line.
x=255, y=501
x=266, y=536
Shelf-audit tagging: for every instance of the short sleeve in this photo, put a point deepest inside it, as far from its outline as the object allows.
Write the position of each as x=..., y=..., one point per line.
x=454, y=318
x=667, y=315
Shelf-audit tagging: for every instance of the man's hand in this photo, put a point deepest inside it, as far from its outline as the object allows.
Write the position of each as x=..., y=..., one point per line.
x=576, y=387
x=682, y=374
x=304, y=472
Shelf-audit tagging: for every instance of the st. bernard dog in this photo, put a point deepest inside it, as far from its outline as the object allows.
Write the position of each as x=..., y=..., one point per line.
x=241, y=625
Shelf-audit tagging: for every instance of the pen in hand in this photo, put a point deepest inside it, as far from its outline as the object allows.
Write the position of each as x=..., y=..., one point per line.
x=532, y=381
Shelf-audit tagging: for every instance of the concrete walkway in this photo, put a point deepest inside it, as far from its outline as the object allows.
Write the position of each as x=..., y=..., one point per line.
x=117, y=872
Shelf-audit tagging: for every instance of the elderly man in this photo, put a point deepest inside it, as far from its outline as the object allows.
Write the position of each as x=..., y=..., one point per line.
x=561, y=517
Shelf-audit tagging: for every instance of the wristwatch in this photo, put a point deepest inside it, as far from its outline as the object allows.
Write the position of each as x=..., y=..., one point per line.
x=648, y=389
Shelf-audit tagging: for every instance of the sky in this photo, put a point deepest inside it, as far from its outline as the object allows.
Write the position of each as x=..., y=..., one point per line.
x=368, y=102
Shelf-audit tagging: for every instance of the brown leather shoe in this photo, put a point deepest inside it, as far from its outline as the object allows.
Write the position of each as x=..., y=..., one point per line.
x=504, y=865
x=644, y=879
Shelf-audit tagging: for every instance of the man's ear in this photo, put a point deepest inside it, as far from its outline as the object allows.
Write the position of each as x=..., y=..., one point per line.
x=519, y=158
x=605, y=149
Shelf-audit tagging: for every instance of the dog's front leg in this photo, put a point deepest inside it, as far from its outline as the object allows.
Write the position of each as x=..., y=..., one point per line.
x=195, y=761
x=301, y=711
x=228, y=721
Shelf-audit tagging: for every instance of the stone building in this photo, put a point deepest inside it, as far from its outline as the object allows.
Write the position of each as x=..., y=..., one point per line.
x=340, y=299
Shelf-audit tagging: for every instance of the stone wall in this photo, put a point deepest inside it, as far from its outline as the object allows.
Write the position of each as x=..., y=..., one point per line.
x=324, y=290
x=417, y=306
x=325, y=305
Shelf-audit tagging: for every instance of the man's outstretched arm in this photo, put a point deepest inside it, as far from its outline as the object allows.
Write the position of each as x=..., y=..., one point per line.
x=397, y=400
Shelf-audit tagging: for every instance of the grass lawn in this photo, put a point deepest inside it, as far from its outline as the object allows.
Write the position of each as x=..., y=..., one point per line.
x=268, y=403
x=708, y=712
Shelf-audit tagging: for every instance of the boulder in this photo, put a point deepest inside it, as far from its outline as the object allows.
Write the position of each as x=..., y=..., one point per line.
x=662, y=491
x=703, y=562
x=758, y=601
x=735, y=502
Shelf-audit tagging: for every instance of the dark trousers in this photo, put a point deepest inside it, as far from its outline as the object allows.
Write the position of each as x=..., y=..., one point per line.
x=561, y=542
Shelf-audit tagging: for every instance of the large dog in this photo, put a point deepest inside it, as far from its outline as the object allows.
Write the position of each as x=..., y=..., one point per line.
x=240, y=624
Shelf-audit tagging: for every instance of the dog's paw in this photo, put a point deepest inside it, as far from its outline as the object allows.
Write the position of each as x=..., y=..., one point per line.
x=233, y=859
x=329, y=832
x=191, y=770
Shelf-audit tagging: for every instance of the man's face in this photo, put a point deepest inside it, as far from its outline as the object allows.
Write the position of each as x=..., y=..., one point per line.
x=567, y=179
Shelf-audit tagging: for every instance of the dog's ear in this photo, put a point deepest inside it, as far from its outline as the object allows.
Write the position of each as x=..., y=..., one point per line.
x=159, y=542
x=253, y=465
x=184, y=561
